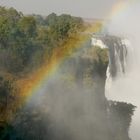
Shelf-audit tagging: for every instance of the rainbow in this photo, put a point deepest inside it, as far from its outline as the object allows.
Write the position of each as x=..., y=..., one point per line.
x=118, y=9
x=31, y=84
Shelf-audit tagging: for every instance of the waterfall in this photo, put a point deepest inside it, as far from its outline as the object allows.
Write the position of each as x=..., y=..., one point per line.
x=118, y=50
x=120, y=76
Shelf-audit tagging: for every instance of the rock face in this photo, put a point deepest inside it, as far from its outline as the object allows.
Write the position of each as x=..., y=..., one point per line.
x=73, y=106
x=117, y=52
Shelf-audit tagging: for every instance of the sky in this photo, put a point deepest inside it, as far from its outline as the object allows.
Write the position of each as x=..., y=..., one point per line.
x=82, y=8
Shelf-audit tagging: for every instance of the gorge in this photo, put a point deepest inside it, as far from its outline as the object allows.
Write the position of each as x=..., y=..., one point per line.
x=75, y=106
x=57, y=82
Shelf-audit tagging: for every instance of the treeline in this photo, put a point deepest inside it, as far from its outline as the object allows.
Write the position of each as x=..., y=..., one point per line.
x=25, y=41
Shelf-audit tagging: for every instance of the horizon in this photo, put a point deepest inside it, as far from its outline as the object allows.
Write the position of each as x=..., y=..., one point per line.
x=86, y=9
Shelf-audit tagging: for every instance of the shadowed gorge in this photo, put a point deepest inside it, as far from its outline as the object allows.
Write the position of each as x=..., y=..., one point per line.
x=52, y=80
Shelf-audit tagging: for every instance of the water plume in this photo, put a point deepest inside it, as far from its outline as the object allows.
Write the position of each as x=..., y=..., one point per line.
x=126, y=87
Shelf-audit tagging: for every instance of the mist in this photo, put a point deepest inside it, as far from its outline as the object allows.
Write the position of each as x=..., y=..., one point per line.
x=53, y=76
x=70, y=104
x=126, y=87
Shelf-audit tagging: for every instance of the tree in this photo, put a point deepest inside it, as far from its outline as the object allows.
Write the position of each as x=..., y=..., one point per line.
x=4, y=32
x=27, y=25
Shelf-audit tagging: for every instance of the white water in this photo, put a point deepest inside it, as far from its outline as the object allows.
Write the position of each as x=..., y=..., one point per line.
x=127, y=87
x=122, y=89
x=124, y=86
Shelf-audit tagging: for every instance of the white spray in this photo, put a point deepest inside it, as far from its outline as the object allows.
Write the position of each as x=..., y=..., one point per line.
x=126, y=87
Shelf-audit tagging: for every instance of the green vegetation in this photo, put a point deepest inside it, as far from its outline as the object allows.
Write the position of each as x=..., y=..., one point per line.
x=26, y=43
x=120, y=116
x=25, y=40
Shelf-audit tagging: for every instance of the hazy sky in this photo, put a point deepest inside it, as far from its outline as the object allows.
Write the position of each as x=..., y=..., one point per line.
x=84, y=8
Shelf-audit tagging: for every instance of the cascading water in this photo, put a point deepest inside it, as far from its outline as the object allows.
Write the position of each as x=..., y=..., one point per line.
x=118, y=74
x=118, y=51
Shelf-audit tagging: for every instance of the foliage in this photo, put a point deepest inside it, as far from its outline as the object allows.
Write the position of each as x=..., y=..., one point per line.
x=8, y=97
x=26, y=42
x=27, y=39
x=120, y=117
x=100, y=60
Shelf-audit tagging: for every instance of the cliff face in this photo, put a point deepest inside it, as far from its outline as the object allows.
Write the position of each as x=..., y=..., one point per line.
x=111, y=120
x=73, y=106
